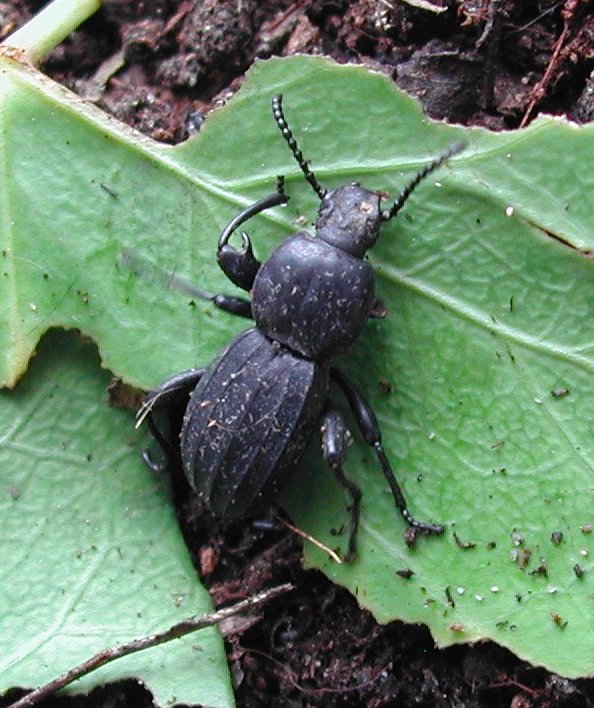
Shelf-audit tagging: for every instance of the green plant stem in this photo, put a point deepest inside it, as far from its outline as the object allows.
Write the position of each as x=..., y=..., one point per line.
x=50, y=26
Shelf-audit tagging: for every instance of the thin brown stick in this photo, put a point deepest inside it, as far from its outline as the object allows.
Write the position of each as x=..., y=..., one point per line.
x=539, y=91
x=105, y=656
x=303, y=534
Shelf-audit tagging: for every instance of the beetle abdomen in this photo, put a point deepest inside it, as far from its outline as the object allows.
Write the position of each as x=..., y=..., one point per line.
x=248, y=422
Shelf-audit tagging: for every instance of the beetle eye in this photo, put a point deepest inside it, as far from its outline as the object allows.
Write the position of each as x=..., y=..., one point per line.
x=355, y=184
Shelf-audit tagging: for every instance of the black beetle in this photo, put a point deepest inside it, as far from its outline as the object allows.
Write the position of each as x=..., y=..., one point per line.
x=250, y=414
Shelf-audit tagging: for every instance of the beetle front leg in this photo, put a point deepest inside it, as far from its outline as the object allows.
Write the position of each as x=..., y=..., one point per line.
x=335, y=440
x=241, y=266
x=369, y=427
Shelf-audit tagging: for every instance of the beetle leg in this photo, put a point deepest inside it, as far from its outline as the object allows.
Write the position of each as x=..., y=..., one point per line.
x=169, y=391
x=228, y=303
x=335, y=440
x=239, y=306
x=369, y=427
x=241, y=266
x=166, y=445
x=169, y=395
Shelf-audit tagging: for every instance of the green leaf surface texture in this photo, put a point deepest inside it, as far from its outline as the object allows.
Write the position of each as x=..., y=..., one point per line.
x=487, y=279
x=91, y=554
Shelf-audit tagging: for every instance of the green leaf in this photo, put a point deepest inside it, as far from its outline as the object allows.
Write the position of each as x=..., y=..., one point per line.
x=91, y=552
x=490, y=309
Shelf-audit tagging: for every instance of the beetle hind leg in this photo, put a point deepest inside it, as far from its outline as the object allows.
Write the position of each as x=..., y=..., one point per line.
x=170, y=396
x=369, y=427
x=335, y=440
x=169, y=391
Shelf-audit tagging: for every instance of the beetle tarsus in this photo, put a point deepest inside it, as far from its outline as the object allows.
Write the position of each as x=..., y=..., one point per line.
x=156, y=467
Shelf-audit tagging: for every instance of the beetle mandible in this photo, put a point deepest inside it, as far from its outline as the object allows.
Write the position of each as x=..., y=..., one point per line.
x=250, y=414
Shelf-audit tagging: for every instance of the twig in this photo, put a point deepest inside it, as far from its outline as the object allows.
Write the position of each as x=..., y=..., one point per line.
x=105, y=656
x=322, y=546
x=426, y=5
x=490, y=37
x=538, y=92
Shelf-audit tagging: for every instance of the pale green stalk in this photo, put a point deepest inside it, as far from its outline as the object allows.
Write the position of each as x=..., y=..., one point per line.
x=50, y=27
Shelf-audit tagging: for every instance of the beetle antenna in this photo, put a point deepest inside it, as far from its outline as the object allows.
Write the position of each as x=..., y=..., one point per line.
x=419, y=177
x=279, y=117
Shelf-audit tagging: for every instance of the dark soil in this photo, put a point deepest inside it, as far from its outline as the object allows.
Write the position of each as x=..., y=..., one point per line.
x=160, y=66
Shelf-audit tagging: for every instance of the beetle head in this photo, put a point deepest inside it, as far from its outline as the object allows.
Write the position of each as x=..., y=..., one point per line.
x=349, y=218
